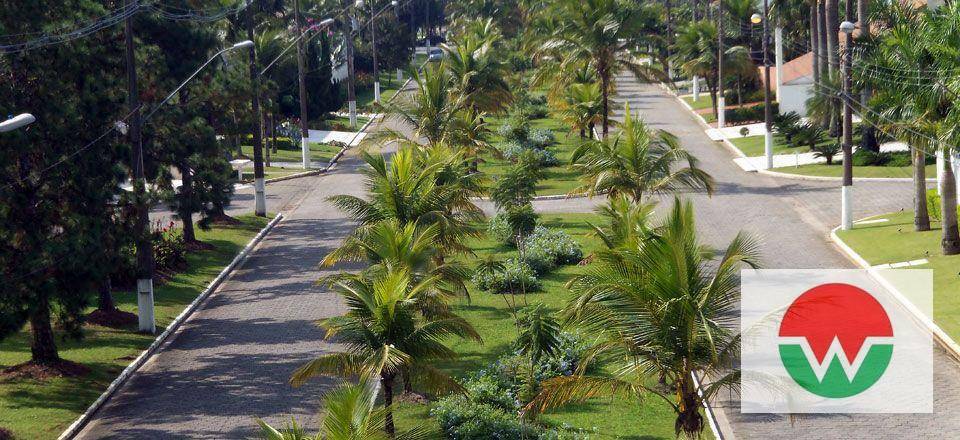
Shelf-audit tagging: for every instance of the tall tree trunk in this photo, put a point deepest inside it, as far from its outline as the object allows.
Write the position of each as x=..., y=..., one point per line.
x=689, y=420
x=387, y=383
x=948, y=207
x=833, y=58
x=264, y=135
x=815, y=44
x=868, y=139
x=822, y=39
x=43, y=347
x=605, y=84
x=921, y=217
x=105, y=301
x=185, y=207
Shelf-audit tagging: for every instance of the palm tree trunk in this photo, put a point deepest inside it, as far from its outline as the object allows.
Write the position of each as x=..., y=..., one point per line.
x=833, y=58
x=868, y=139
x=43, y=348
x=822, y=39
x=815, y=44
x=948, y=207
x=689, y=419
x=921, y=217
x=386, y=381
x=263, y=132
x=604, y=85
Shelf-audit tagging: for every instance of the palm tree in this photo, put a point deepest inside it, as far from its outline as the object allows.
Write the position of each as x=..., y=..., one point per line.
x=596, y=33
x=665, y=309
x=350, y=414
x=582, y=108
x=638, y=161
x=627, y=223
x=413, y=189
x=385, y=333
x=695, y=51
x=429, y=111
x=478, y=74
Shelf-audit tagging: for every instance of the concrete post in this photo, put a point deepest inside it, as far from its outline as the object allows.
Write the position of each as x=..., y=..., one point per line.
x=145, y=305
x=778, y=43
x=305, y=150
x=696, y=88
x=721, y=114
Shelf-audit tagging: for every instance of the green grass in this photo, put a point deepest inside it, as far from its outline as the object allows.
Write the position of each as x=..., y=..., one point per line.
x=558, y=179
x=704, y=102
x=836, y=170
x=389, y=86
x=272, y=172
x=895, y=241
x=318, y=152
x=41, y=410
x=490, y=315
x=342, y=123
x=753, y=145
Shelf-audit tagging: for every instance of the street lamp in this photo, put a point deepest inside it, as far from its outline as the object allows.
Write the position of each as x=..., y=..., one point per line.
x=720, y=104
x=18, y=121
x=846, y=191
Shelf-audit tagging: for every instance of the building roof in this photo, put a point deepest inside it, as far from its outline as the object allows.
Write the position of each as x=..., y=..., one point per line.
x=798, y=70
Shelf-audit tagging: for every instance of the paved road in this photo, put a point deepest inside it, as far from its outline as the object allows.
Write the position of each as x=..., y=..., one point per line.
x=793, y=218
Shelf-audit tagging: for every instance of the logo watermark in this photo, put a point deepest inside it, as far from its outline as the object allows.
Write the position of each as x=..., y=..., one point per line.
x=836, y=341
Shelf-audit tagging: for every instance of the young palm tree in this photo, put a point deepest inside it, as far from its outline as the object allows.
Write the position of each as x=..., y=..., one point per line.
x=597, y=33
x=429, y=111
x=627, y=223
x=582, y=108
x=386, y=333
x=638, y=161
x=665, y=309
x=695, y=51
x=350, y=414
x=478, y=74
x=413, y=189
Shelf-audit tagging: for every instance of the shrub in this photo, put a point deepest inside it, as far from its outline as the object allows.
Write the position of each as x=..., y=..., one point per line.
x=898, y=159
x=514, y=152
x=169, y=248
x=752, y=113
x=541, y=138
x=787, y=124
x=545, y=248
x=461, y=418
x=933, y=205
x=863, y=157
x=515, y=277
x=826, y=151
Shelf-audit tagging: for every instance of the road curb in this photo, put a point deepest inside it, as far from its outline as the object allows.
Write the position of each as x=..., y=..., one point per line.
x=145, y=355
x=941, y=336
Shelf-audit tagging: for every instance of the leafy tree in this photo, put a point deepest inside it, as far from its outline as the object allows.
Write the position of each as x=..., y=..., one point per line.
x=637, y=161
x=385, y=332
x=57, y=182
x=664, y=309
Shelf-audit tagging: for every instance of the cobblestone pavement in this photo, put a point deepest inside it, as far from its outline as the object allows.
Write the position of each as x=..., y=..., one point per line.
x=793, y=219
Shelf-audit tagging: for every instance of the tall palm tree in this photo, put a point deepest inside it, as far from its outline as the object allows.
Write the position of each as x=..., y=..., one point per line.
x=597, y=33
x=478, y=73
x=638, y=161
x=386, y=332
x=350, y=413
x=664, y=309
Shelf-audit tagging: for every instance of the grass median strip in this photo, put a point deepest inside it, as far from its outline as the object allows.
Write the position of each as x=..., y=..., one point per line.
x=490, y=315
x=42, y=409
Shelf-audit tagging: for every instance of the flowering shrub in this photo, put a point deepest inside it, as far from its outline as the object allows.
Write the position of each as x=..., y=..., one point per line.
x=461, y=418
x=540, y=138
x=547, y=248
x=513, y=150
x=169, y=248
x=515, y=277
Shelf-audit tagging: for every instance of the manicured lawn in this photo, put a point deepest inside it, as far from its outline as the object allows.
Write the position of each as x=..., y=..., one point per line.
x=271, y=172
x=318, y=152
x=836, y=170
x=704, y=102
x=895, y=241
x=558, y=179
x=490, y=315
x=42, y=410
x=753, y=145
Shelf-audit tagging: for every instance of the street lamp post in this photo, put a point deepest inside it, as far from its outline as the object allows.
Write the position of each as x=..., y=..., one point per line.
x=373, y=45
x=18, y=121
x=259, y=186
x=846, y=191
x=351, y=83
x=767, y=108
x=304, y=130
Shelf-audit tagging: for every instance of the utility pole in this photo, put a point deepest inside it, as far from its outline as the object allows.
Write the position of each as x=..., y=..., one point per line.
x=846, y=191
x=778, y=54
x=258, y=183
x=767, y=107
x=304, y=129
x=721, y=114
x=142, y=224
x=373, y=45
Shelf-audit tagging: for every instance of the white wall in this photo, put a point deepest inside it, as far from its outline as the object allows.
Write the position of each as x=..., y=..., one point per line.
x=793, y=98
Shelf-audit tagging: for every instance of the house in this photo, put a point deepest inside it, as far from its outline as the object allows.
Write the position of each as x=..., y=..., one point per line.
x=796, y=85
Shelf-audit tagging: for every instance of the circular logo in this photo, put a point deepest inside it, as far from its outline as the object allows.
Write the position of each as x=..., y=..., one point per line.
x=835, y=340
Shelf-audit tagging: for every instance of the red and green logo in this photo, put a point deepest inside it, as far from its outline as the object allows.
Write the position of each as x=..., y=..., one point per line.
x=836, y=340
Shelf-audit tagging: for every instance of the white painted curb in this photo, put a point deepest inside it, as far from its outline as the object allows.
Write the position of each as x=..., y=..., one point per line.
x=707, y=409
x=941, y=336
x=81, y=421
